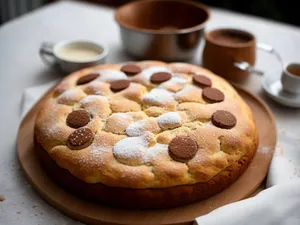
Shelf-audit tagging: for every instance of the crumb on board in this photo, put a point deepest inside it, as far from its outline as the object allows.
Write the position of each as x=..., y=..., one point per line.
x=19, y=212
x=34, y=206
x=2, y=198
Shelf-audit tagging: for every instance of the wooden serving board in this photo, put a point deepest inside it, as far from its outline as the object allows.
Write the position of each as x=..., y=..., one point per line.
x=93, y=213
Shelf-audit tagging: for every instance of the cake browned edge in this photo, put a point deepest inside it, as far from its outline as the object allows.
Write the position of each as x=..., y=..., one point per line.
x=151, y=198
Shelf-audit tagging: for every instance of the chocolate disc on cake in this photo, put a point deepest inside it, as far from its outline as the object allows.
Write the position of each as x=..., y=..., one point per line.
x=183, y=148
x=212, y=95
x=160, y=77
x=157, y=139
x=202, y=81
x=223, y=119
x=78, y=118
x=80, y=138
x=131, y=69
x=119, y=85
x=87, y=78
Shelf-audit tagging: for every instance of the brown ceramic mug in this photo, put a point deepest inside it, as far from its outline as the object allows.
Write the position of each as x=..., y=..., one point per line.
x=225, y=47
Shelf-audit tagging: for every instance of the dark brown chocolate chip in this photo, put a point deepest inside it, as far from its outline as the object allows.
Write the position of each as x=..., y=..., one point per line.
x=182, y=148
x=87, y=78
x=160, y=77
x=131, y=69
x=80, y=138
x=212, y=95
x=223, y=119
x=119, y=85
x=202, y=81
x=78, y=118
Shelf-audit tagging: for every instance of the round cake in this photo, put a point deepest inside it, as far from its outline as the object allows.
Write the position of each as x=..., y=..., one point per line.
x=145, y=134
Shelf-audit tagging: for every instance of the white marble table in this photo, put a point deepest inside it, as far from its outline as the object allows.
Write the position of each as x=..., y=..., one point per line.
x=21, y=67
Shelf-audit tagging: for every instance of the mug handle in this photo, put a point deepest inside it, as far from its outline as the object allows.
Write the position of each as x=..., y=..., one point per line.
x=269, y=49
x=46, y=52
x=245, y=66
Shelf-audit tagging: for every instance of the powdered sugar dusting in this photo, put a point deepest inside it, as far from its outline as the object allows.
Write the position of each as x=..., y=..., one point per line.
x=179, y=68
x=111, y=75
x=136, y=129
x=93, y=99
x=118, y=122
x=185, y=90
x=148, y=72
x=98, y=151
x=121, y=116
x=95, y=104
x=154, y=151
x=169, y=120
x=158, y=96
x=98, y=87
x=175, y=80
x=51, y=129
x=51, y=126
x=131, y=150
x=70, y=94
x=96, y=155
x=199, y=158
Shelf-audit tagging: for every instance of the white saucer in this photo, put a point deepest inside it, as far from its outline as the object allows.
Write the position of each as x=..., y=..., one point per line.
x=272, y=86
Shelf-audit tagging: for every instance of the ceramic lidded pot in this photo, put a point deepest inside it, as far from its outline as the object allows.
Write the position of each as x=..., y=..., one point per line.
x=223, y=47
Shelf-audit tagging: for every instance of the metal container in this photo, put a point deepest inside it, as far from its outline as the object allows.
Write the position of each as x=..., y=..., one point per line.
x=169, y=30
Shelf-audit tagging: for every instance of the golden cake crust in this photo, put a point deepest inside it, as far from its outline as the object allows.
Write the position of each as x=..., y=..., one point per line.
x=143, y=198
x=132, y=129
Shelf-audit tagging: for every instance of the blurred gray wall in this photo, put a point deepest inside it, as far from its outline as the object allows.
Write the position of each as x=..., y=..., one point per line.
x=10, y=9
